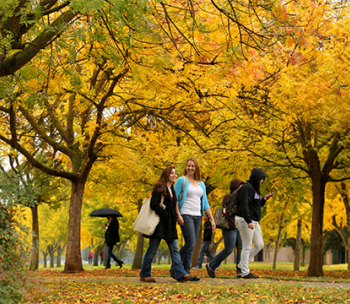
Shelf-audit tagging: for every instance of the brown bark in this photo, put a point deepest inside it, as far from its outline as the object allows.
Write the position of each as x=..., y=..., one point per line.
x=17, y=60
x=97, y=252
x=280, y=227
x=298, y=245
x=60, y=250
x=73, y=254
x=345, y=238
x=316, y=255
x=215, y=245
x=197, y=247
x=52, y=249
x=34, y=262
x=277, y=246
x=137, y=263
x=348, y=256
x=319, y=178
x=45, y=254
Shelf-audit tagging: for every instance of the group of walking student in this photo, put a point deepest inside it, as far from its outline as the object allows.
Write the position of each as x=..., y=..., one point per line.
x=185, y=202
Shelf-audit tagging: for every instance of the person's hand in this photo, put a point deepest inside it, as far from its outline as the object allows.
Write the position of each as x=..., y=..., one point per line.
x=267, y=196
x=251, y=225
x=213, y=225
x=180, y=220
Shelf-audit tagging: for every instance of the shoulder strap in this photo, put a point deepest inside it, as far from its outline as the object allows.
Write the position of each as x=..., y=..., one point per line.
x=183, y=184
x=182, y=189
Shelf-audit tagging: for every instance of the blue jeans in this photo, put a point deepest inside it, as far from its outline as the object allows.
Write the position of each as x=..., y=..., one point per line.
x=232, y=239
x=205, y=249
x=110, y=255
x=190, y=230
x=151, y=252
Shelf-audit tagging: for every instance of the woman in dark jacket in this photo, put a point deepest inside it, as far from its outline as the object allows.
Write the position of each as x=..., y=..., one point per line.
x=247, y=220
x=232, y=238
x=166, y=228
x=112, y=238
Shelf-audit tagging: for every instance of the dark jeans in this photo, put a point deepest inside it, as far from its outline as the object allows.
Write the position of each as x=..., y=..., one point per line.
x=110, y=255
x=232, y=239
x=205, y=249
x=151, y=252
x=190, y=230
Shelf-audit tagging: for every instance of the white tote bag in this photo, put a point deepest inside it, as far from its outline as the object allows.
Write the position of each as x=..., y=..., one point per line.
x=147, y=220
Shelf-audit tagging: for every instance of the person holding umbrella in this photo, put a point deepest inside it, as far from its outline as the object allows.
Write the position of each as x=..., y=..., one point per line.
x=112, y=234
x=112, y=238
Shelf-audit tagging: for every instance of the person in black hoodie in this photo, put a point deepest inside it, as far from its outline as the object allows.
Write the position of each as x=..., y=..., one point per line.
x=166, y=228
x=247, y=220
x=112, y=238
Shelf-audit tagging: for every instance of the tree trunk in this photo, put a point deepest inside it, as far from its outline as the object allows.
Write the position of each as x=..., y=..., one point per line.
x=280, y=227
x=348, y=251
x=105, y=256
x=98, y=251
x=215, y=245
x=303, y=256
x=160, y=257
x=45, y=254
x=137, y=263
x=316, y=256
x=298, y=245
x=197, y=247
x=34, y=262
x=52, y=249
x=346, y=202
x=60, y=250
x=73, y=254
x=277, y=246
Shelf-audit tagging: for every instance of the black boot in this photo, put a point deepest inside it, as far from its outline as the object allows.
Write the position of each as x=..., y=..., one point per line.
x=120, y=263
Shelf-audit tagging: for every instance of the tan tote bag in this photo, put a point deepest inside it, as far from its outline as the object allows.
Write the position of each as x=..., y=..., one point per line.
x=147, y=220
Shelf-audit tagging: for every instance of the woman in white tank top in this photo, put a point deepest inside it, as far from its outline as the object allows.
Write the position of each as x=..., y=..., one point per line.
x=191, y=206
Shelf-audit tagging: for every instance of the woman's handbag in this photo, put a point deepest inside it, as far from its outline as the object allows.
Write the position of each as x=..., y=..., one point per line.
x=147, y=220
x=220, y=219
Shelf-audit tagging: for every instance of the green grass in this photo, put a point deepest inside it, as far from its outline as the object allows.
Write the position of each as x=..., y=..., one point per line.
x=252, y=265
x=265, y=265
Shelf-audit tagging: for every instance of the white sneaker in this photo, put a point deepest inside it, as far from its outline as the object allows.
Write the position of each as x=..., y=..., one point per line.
x=196, y=267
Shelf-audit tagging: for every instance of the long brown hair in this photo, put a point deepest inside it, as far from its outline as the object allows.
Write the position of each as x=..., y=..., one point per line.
x=161, y=185
x=197, y=173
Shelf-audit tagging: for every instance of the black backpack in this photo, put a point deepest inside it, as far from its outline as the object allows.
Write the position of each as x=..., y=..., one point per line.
x=231, y=208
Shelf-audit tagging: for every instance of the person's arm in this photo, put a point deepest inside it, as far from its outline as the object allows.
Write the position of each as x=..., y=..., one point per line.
x=178, y=187
x=244, y=201
x=180, y=220
x=204, y=199
x=210, y=215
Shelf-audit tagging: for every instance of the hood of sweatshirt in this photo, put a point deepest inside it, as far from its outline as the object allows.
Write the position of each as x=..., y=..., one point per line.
x=255, y=177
